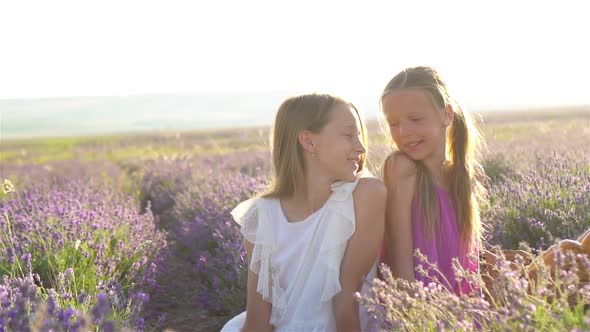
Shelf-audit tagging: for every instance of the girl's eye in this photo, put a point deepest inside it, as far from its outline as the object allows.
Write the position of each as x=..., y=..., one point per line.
x=394, y=124
x=416, y=119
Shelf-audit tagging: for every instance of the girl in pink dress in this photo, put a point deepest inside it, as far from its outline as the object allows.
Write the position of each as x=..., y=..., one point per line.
x=432, y=180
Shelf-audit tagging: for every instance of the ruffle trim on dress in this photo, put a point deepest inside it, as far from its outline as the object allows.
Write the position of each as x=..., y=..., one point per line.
x=340, y=225
x=257, y=228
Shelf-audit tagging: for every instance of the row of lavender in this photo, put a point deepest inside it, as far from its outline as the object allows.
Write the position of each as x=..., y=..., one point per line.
x=87, y=247
x=192, y=200
x=538, y=204
x=109, y=247
x=68, y=262
x=189, y=252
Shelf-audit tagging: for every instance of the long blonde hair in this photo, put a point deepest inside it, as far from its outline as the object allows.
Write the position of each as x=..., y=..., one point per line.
x=462, y=142
x=305, y=112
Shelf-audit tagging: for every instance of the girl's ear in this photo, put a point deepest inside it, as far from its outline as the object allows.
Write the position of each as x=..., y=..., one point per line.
x=449, y=115
x=307, y=141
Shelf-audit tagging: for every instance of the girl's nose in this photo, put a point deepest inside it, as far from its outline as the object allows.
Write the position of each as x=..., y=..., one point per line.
x=404, y=128
x=361, y=146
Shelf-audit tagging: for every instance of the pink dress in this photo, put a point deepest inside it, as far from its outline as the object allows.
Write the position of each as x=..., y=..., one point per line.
x=443, y=246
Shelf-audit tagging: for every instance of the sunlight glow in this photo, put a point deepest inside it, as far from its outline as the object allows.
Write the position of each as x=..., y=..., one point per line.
x=496, y=53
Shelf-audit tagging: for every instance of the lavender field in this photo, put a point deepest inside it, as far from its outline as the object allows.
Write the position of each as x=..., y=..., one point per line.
x=134, y=232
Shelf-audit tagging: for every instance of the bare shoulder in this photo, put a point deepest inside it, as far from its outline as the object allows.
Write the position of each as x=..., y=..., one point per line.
x=370, y=194
x=398, y=166
x=370, y=187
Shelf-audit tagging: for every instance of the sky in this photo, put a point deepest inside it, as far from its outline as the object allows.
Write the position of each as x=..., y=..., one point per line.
x=509, y=53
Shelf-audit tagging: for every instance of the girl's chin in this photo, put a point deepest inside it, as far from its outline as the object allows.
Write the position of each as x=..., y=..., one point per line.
x=414, y=155
x=351, y=177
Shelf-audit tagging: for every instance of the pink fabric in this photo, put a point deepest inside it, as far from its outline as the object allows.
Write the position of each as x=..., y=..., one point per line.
x=441, y=248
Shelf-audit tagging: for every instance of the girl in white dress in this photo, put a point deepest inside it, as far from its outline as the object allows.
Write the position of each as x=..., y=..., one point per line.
x=314, y=236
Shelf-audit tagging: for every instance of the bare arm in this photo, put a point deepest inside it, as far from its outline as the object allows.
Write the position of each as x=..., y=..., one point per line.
x=400, y=179
x=361, y=251
x=257, y=310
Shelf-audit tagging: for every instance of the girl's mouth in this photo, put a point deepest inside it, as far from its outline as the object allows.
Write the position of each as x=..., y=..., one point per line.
x=413, y=145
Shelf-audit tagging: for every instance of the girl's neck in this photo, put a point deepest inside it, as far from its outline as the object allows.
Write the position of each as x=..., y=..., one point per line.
x=438, y=168
x=312, y=195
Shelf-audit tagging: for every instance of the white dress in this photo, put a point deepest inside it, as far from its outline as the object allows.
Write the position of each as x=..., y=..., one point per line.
x=298, y=263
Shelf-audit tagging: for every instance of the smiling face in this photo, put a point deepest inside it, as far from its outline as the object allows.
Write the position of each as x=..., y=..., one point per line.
x=417, y=127
x=338, y=146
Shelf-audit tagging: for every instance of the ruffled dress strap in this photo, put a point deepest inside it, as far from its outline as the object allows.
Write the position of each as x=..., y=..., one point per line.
x=340, y=224
x=257, y=229
x=246, y=215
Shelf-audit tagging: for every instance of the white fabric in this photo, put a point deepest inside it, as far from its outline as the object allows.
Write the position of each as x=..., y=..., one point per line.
x=291, y=247
x=298, y=264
